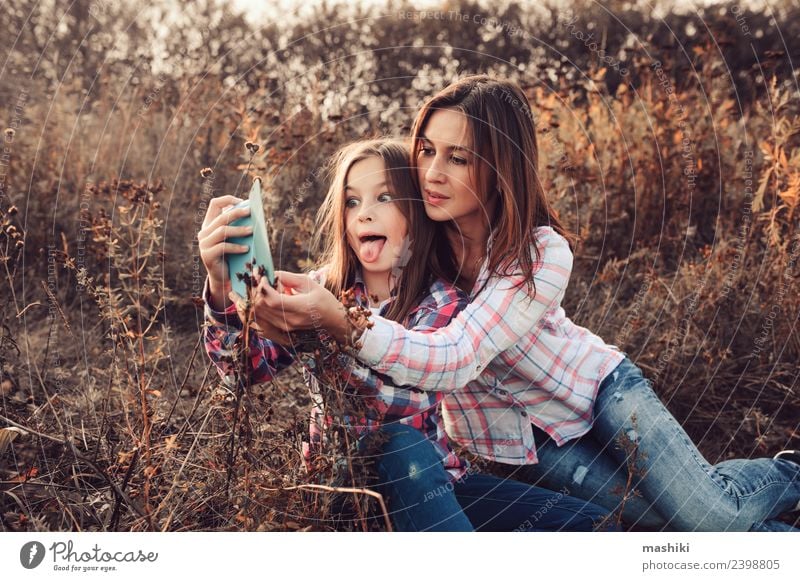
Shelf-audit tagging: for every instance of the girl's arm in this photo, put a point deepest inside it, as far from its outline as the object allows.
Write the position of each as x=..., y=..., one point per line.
x=449, y=358
x=265, y=358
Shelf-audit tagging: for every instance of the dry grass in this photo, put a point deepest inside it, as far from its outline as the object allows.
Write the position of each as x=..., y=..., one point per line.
x=127, y=426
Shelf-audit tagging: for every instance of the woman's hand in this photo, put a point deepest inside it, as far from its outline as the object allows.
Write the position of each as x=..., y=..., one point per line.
x=213, y=246
x=300, y=304
x=262, y=316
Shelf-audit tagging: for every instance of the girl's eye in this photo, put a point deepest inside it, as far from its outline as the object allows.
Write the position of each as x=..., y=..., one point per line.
x=351, y=203
x=458, y=160
x=424, y=150
x=385, y=197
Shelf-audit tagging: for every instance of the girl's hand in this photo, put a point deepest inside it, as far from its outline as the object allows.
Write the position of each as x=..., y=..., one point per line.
x=213, y=246
x=303, y=305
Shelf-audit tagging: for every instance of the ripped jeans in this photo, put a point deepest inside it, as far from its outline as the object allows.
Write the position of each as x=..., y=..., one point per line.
x=421, y=496
x=634, y=435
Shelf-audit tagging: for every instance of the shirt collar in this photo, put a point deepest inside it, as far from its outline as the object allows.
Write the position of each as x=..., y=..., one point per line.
x=360, y=291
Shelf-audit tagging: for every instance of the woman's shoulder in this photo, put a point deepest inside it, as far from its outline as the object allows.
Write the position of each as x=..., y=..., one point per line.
x=547, y=238
x=553, y=250
x=551, y=262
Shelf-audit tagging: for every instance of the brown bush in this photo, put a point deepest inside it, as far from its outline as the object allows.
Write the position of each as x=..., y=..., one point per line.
x=681, y=179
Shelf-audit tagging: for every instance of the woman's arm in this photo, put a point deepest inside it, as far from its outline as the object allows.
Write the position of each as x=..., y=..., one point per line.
x=448, y=358
x=451, y=357
x=438, y=309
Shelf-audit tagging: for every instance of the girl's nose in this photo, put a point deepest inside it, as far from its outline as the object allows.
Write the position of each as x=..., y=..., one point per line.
x=365, y=213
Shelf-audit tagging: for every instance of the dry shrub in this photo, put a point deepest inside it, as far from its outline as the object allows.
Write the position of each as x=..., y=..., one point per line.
x=689, y=259
x=685, y=196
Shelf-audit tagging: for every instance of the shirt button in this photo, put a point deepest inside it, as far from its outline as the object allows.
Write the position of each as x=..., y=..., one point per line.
x=523, y=413
x=502, y=392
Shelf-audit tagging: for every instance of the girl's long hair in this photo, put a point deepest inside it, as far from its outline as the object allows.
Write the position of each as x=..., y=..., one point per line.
x=506, y=170
x=413, y=276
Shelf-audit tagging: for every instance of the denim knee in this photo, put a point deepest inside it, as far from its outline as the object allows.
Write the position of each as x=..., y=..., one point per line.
x=404, y=453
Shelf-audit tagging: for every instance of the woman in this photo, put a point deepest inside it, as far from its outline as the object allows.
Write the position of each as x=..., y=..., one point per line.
x=512, y=362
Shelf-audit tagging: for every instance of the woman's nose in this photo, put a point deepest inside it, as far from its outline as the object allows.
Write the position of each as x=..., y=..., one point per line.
x=434, y=173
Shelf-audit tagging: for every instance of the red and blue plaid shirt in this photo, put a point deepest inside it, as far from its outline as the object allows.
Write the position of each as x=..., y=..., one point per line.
x=386, y=403
x=506, y=361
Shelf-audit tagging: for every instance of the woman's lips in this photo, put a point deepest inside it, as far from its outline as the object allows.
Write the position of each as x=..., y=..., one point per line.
x=435, y=198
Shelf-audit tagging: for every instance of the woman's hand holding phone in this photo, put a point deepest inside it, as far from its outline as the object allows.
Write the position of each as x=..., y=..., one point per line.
x=264, y=317
x=301, y=304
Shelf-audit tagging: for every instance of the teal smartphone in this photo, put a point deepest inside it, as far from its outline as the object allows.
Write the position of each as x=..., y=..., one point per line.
x=258, y=253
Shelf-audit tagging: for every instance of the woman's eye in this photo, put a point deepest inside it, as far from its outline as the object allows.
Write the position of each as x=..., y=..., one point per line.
x=458, y=160
x=385, y=197
x=426, y=150
x=351, y=203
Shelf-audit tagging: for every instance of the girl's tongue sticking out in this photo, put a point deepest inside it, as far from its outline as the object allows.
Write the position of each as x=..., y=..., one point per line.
x=371, y=247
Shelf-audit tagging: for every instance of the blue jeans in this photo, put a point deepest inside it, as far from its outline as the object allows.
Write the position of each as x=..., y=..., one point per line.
x=421, y=496
x=635, y=435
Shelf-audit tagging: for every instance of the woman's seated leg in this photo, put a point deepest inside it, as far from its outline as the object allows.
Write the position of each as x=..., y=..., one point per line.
x=588, y=471
x=497, y=504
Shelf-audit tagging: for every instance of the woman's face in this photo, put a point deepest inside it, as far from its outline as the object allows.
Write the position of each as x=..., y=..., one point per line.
x=376, y=228
x=446, y=168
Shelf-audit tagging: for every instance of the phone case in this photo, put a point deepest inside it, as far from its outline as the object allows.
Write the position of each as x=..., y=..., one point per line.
x=259, y=252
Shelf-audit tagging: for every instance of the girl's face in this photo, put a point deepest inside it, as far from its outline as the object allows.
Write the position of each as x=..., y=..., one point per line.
x=376, y=229
x=446, y=168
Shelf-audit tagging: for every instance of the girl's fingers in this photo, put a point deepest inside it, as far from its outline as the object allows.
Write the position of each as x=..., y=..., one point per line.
x=216, y=206
x=224, y=248
x=222, y=220
x=223, y=233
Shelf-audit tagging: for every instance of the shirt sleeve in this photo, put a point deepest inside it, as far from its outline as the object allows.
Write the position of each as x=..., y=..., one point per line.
x=265, y=358
x=406, y=401
x=450, y=357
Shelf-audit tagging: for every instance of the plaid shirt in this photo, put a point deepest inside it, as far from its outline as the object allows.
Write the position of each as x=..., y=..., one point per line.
x=386, y=403
x=505, y=361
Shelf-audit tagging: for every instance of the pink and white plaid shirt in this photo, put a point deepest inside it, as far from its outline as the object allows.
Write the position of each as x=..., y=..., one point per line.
x=506, y=361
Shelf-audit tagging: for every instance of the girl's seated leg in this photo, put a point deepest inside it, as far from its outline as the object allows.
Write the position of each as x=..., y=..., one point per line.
x=416, y=488
x=500, y=504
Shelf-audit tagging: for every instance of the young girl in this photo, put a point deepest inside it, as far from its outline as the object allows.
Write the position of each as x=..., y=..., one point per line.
x=365, y=220
x=513, y=364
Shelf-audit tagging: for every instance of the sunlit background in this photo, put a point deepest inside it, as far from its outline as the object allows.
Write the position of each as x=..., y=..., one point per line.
x=668, y=138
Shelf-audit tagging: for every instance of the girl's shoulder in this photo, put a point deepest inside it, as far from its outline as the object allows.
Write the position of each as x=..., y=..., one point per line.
x=442, y=293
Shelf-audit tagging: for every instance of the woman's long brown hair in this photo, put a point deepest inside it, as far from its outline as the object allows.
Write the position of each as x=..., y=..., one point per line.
x=413, y=277
x=504, y=139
